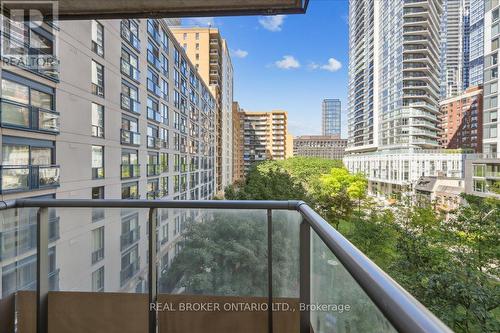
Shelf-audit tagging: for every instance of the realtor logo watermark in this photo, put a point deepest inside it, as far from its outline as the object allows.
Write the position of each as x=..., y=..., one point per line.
x=29, y=37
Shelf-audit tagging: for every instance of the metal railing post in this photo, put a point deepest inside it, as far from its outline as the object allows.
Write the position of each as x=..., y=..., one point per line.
x=42, y=272
x=270, y=269
x=152, y=272
x=305, y=276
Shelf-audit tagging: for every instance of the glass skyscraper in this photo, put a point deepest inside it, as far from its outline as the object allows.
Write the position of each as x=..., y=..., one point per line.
x=331, y=116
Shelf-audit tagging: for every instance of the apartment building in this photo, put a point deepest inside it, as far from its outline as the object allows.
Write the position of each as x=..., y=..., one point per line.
x=482, y=176
x=127, y=117
x=476, y=42
x=455, y=53
x=322, y=146
x=238, y=169
x=462, y=121
x=331, y=111
x=209, y=52
x=394, y=89
x=265, y=136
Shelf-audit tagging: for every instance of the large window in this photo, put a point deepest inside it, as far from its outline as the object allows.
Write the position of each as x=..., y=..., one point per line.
x=153, y=83
x=97, y=244
x=97, y=162
x=129, y=131
x=130, y=167
x=130, y=32
x=130, y=64
x=27, y=164
x=130, y=231
x=98, y=280
x=97, y=79
x=97, y=38
x=27, y=104
x=97, y=120
x=130, y=191
x=129, y=264
x=130, y=98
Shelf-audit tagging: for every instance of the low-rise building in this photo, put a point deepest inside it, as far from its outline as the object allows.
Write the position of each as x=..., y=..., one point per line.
x=323, y=146
x=442, y=192
x=393, y=173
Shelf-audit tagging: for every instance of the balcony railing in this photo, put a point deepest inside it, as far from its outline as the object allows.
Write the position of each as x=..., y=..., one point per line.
x=154, y=115
x=20, y=116
x=154, y=88
x=130, y=171
x=28, y=177
x=130, y=138
x=97, y=173
x=277, y=254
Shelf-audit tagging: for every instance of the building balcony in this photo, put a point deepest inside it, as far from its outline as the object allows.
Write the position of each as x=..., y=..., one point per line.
x=297, y=260
x=22, y=178
x=130, y=138
x=19, y=116
x=130, y=171
x=154, y=89
x=128, y=70
x=129, y=104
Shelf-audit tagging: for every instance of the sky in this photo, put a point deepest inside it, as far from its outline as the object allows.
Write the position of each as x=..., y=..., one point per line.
x=289, y=62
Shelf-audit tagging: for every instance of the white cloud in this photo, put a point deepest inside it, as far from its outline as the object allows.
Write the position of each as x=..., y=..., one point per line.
x=240, y=53
x=288, y=62
x=199, y=21
x=313, y=65
x=272, y=23
x=332, y=66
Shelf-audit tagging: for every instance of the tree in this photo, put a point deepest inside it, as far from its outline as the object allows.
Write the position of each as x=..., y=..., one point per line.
x=337, y=193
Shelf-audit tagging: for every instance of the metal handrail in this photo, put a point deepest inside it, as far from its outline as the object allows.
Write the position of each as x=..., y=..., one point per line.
x=401, y=309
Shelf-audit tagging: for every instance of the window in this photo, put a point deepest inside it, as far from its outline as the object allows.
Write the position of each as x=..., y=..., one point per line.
x=153, y=164
x=130, y=231
x=153, y=137
x=164, y=39
x=153, y=110
x=97, y=245
x=164, y=162
x=97, y=79
x=164, y=186
x=197, y=46
x=153, y=83
x=153, y=190
x=98, y=192
x=97, y=38
x=27, y=104
x=129, y=131
x=130, y=32
x=197, y=36
x=130, y=64
x=97, y=120
x=130, y=98
x=130, y=167
x=98, y=280
x=97, y=162
x=153, y=56
x=129, y=264
x=27, y=164
x=130, y=191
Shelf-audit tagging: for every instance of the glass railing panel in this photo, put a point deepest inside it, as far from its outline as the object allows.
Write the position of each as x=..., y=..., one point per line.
x=338, y=304
x=15, y=178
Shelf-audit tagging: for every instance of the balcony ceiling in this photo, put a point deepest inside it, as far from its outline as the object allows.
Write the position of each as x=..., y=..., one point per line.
x=78, y=9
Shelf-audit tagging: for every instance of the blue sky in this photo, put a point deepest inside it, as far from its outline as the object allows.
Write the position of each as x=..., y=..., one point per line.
x=290, y=62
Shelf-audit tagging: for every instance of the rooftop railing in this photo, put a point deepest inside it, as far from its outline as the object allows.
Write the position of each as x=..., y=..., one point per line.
x=261, y=266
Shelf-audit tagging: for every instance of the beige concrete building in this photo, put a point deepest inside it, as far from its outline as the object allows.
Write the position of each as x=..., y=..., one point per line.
x=238, y=169
x=127, y=117
x=210, y=54
x=265, y=136
x=323, y=146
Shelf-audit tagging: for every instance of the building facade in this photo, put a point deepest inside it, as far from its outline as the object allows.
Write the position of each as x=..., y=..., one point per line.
x=238, y=169
x=476, y=42
x=462, y=121
x=127, y=117
x=482, y=176
x=394, y=91
x=322, y=146
x=209, y=52
x=331, y=111
x=491, y=139
x=265, y=137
